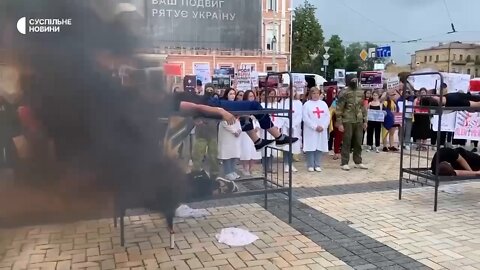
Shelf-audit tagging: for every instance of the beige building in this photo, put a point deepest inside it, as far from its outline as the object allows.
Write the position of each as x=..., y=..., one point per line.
x=273, y=56
x=454, y=57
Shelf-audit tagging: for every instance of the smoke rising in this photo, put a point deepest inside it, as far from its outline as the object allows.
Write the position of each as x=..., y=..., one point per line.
x=93, y=132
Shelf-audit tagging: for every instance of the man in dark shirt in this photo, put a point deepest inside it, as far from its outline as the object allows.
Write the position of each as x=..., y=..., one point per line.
x=456, y=161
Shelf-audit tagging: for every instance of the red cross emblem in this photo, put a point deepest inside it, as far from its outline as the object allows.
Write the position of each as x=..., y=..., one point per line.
x=318, y=112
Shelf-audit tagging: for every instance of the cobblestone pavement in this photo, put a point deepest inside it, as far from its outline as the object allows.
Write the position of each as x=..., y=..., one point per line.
x=447, y=239
x=95, y=244
x=341, y=220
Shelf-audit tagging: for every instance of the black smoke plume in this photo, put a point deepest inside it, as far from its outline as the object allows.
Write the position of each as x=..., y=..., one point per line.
x=98, y=127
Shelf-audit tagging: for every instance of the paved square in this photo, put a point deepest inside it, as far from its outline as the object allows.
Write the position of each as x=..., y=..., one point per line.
x=448, y=239
x=95, y=244
x=341, y=220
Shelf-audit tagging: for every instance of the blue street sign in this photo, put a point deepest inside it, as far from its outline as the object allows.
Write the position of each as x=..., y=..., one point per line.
x=383, y=52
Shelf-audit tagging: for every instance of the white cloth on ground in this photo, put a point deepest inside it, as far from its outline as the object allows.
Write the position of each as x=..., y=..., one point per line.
x=236, y=237
x=184, y=211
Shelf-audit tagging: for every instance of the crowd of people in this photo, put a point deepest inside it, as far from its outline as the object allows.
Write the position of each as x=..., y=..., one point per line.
x=329, y=121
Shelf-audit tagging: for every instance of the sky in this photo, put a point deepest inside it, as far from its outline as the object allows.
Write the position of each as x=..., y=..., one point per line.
x=384, y=21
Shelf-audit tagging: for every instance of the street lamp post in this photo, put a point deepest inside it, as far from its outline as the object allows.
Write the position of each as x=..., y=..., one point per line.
x=274, y=55
x=326, y=56
x=291, y=38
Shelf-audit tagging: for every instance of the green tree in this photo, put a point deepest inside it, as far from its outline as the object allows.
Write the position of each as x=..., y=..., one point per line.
x=353, y=60
x=337, y=55
x=307, y=37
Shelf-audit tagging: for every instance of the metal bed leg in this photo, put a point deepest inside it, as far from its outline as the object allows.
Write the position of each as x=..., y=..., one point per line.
x=115, y=212
x=170, y=229
x=400, y=184
x=290, y=203
x=122, y=227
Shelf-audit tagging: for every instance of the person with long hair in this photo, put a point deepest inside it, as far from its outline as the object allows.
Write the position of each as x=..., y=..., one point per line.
x=297, y=108
x=336, y=136
x=239, y=96
x=374, y=128
x=229, y=142
x=421, y=122
x=389, y=126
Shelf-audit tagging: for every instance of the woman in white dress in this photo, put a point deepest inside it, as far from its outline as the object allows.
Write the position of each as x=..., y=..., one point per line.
x=271, y=103
x=229, y=142
x=297, y=115
x=316, y=119
x=248, y=153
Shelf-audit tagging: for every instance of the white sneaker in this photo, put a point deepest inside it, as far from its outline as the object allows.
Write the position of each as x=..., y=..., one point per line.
x=311, y=169
x=377, y=150
x=361, y=166
x=318, y=169
x=369, y=148
x=287, y=169
x=330, y=153
x=345, y=167
x=230, y=177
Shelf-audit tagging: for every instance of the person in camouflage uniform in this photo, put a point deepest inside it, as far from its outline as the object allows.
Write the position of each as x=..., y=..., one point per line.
x=352, y=120
x=206, y=141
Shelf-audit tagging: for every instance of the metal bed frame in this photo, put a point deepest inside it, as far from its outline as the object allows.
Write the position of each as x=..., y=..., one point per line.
x=272, y=183
x=415, y=173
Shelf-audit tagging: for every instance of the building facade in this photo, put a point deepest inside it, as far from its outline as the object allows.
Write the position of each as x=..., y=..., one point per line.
x=274, y=54
x=454, y=57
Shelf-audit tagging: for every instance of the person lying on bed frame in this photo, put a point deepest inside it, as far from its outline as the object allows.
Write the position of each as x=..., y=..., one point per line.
x=453, y=99
x=456, y=162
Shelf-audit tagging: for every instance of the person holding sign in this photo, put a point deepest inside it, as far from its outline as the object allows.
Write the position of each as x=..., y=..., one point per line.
x=375, y=119
x=316, y=119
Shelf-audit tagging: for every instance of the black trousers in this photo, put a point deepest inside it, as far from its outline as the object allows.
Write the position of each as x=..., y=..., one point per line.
x=374, y=128
x=445, y=137
x=330, y=140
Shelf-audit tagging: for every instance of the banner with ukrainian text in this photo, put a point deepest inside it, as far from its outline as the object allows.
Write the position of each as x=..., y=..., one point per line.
x=216, y=24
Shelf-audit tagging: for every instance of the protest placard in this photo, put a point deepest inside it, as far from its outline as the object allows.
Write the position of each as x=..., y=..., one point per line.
x=376, y=115
x=254, y=77
x=299, y=83
x=448, y=122
x=202, y=70
x=467, y=126
x=244, y=80
x=371, y=80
